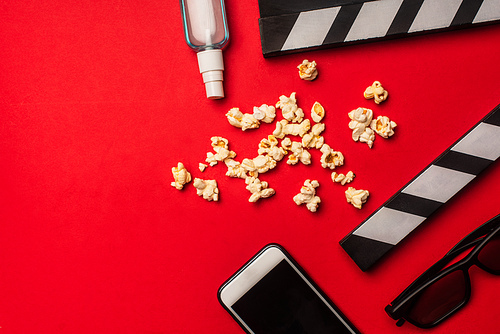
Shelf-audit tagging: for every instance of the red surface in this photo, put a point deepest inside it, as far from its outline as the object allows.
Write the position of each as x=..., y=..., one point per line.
x=100, y=100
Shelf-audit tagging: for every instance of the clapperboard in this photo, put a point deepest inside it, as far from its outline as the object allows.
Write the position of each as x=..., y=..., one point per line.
x=288, y=26
x=423, y=195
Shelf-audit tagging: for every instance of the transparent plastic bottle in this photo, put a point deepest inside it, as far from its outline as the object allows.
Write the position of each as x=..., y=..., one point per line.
x=205, y=30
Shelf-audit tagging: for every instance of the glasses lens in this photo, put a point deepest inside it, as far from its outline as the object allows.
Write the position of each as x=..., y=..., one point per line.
x=489, y=256
x=439, y=299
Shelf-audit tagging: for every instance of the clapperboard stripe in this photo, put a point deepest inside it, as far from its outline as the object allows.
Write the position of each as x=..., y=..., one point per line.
x=333, y=23
x=427, y=192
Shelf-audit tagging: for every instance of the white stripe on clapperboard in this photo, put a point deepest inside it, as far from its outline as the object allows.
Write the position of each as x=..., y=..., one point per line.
x=436, y=183
x=311, y=28
x=490, y=10
x=435, y=14
x=375, y=18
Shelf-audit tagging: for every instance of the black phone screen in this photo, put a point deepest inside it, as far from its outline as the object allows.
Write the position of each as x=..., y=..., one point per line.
x=282, y=302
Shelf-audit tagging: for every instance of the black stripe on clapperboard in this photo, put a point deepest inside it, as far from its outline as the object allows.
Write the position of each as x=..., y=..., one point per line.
x=423, y=195
x=326, y=25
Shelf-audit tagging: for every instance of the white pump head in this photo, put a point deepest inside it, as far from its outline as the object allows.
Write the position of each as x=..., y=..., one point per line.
x=211, y=68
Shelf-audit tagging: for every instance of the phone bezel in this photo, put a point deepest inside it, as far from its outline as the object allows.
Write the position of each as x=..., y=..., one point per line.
x=257, y=268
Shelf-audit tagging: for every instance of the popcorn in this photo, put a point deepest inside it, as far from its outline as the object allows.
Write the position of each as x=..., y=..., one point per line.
x=356, y=197
x=279, y=132
x=361, y=119
x=270, y=147
x=219, y=142
x=298, y=154
x=308, y=196
x=207, y=189
x=181, y=176
x=263, y=163
x=242, y=120
x=317, y=112
x=343, y=179
x=235, y=116
x=298, y=129
x=367, y=137
x=259, y=164
x=313, y=139
x=330, y=158
x=361, y=115
x=259, y=189
x=202, y=167
x=235, y=169
x=383, y=126
x=264, y=113
x=291, y=112
x=376, y=92
x=286, y=143
x=266, y=144
x=284, y=128
x=221, y=148
x=307, y=70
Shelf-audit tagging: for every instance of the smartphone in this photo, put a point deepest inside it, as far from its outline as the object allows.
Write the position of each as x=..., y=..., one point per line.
x=272, y=294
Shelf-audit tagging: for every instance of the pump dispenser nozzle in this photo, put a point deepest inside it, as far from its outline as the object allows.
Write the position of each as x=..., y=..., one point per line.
x=205, y=30
x=211, y=68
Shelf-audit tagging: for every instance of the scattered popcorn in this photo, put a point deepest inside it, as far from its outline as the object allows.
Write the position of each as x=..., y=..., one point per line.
x=271, y=151
x=343, y=179
x=222, y=152
x=376, y=92
x=317, y=112
x=181, y=176
x=330, y=158
x=313, y=139
x=298, y=154
x=235, y=169
x=308, y=196
x=207, y=188
x=264, y=113
x=291, y=112
x=307, y=70
x=356, y=197
x=383, y=126
x=259, y=189
x=242, y=120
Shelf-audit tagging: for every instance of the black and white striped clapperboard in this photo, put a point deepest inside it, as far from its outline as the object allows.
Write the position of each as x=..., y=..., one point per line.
x=423, y=195
x=288, y=26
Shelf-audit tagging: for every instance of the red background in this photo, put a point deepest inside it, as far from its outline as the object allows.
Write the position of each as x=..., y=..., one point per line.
x=100, y=100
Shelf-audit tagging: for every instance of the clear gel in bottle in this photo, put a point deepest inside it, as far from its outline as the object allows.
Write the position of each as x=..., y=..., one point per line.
x=205, y=30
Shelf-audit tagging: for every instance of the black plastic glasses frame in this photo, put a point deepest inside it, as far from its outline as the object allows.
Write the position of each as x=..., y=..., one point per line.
x=400, y=307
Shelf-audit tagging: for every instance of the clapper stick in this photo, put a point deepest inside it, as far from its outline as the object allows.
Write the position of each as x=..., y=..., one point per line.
x=288, y=26
x=423, y=195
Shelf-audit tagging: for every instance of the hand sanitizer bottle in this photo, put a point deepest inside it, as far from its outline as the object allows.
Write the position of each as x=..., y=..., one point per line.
x=205, y=30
